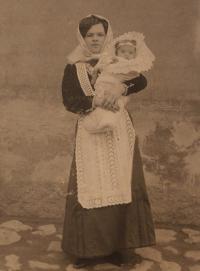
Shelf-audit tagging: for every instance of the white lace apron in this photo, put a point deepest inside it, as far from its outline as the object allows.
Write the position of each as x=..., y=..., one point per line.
x=103, y=160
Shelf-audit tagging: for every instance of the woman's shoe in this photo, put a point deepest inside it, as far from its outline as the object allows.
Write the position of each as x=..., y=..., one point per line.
x=121, y=259
x=116, y=258
x=80, y=263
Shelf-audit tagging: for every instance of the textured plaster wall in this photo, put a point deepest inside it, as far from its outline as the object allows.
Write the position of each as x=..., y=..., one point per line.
x=37, y=133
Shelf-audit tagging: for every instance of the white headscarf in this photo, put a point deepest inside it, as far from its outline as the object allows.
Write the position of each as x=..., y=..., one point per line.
x=82, y=54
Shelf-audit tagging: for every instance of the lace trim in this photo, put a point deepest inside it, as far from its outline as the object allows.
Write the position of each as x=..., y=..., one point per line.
x=130, y=131
x=84, y=80
x=111, y=159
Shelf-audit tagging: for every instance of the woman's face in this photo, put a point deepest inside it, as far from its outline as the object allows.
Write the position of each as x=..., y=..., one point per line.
x=95, y=38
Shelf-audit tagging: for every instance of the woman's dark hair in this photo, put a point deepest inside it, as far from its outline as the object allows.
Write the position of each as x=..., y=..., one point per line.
x=86, y=23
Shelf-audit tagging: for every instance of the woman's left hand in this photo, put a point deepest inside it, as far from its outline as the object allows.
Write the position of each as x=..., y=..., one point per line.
x=110, y=98
x=109, y=101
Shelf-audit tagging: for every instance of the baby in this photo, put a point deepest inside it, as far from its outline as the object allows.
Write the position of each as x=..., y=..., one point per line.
x=131, y=56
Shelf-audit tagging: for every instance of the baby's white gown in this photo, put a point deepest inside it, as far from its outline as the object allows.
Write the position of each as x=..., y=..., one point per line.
x=111, y=79
x=101, y=120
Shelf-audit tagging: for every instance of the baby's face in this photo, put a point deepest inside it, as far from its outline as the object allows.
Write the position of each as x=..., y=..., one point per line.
x=126, y=51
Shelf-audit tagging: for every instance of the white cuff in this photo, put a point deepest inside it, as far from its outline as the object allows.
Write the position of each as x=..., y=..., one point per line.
x=125, y=90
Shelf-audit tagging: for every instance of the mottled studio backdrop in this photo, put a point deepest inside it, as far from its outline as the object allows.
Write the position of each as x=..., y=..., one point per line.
x=37, y=133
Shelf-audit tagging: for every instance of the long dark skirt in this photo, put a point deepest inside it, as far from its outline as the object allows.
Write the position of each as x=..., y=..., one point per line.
x=102, y=231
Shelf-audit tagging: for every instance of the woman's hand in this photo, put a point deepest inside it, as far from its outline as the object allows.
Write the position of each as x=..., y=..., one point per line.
x=109, y=99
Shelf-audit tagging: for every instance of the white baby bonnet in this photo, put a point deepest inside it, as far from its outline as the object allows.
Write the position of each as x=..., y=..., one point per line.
x=141, y=63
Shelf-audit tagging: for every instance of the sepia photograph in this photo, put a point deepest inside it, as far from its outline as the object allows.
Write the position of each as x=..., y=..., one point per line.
x=100, y=135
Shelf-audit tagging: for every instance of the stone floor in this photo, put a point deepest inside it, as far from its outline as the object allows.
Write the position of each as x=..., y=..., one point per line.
x=27, y=245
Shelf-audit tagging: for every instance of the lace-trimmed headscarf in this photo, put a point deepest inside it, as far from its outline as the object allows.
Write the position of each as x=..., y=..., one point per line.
x=81, y=53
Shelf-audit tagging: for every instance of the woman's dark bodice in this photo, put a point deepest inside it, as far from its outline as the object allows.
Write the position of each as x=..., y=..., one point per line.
x=74, y=98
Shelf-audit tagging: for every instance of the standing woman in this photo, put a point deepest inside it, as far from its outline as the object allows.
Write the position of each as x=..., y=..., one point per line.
x=107, y=206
